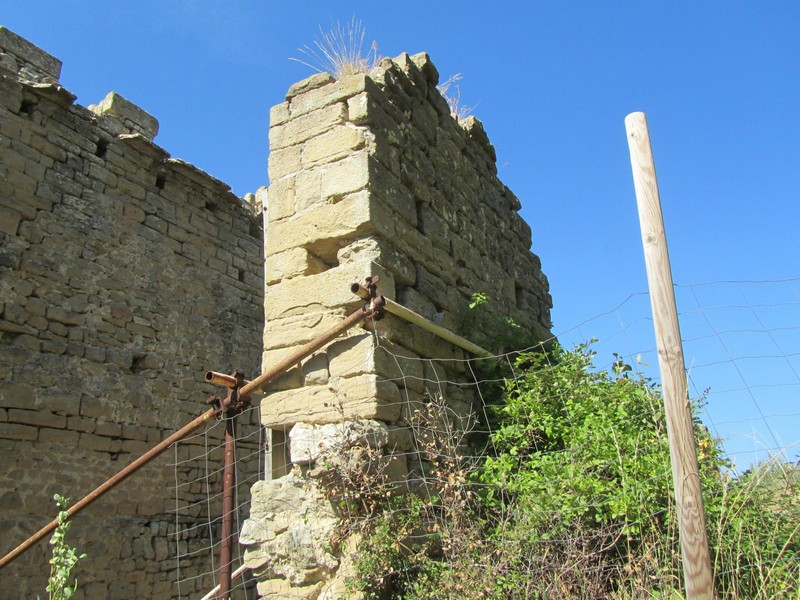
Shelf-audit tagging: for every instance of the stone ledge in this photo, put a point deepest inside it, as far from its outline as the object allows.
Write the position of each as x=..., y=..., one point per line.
x=125, y=116
x=46, y=66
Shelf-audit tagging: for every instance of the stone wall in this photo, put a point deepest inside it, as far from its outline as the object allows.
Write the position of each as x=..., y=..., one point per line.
x=124, y=275
x=372, y=175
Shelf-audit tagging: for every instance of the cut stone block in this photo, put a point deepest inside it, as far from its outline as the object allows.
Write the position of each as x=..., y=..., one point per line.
x=128, y=116
x=292, y=263
x=332, y=145
x=309, y=442
x=361, y=354
x=325, y=223
x=314, y=293
x=26, y=52
x=330, y=182
x=360, y=397
x=307, y=126
x=299, y=329
x=328, y=93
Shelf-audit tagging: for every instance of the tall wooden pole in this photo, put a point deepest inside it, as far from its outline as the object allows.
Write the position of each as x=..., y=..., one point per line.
x=685, y=473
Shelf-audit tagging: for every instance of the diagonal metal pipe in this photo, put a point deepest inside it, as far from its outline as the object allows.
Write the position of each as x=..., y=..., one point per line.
x=257, y=384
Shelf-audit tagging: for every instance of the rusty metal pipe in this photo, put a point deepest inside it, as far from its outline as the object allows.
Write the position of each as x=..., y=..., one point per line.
x=295, y=357
x=228, y=490
x=417, y=319
x=257, y=384
x=118, y=478
x=228, y=381
x=215, y=589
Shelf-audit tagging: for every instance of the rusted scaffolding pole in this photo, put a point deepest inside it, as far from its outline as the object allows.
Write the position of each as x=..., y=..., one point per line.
x=371, y=309
x=228, y=493
x=417, y=319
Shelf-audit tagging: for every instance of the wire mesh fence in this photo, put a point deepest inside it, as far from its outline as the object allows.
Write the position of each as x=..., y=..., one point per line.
x=549, y=476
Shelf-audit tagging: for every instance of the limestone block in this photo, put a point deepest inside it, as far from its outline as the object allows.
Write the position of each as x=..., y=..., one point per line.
x=47, y=66
x=332, y=145
x=384, y=253
x=9, y=431
x=126, y=115
x=310, y=442
x=329, y=182
x=313, y=293
x=281, y=589
x=388, y=189
x=426, y=66
x=293, y=378
x=315, y=369
x=338, y=587
x=321, y=96
x=330, y=223
x=358, y=109
x=279, y=114
x=431, y=285
x=411, y=241
x=360, y=397
x=290, y=531
x=361, y=354
x=395, y=468
x=435, y=228
x=281, y=198
x=284, y=161
x=401, y=439
x=16, y=395
x=307, y=126
x=309, y=83
x=292, y=263
x=299, y=329
x=412, y=70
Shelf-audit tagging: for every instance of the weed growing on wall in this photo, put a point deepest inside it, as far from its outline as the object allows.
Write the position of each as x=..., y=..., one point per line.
x=451, y=92
x=340, y=51
x=64, y=557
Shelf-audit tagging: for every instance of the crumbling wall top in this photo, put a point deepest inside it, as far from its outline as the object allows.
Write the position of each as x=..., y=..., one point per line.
x=28, y=60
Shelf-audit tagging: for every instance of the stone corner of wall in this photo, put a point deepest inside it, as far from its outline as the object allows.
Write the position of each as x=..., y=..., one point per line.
x=30, y=62
x=309, y=83
x=122, y=116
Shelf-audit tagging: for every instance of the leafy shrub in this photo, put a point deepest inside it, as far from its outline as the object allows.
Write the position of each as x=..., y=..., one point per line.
x=573, y=499
x=64, y=557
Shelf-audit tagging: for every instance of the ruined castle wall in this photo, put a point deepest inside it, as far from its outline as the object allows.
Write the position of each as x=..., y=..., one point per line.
x=124, y=275
x=372, y=175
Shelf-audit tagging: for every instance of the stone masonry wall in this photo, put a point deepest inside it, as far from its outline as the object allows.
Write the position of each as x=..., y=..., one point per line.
x=124, y=275
x=372, y=175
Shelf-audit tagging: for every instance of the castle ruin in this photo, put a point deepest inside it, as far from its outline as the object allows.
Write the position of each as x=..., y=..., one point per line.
x=126, y=273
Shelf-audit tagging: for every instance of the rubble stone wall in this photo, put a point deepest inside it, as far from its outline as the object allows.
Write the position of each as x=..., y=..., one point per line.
x=372, y=175
x=124, y=275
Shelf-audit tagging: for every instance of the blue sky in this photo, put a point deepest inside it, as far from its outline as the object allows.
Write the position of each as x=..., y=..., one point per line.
x=552, y=83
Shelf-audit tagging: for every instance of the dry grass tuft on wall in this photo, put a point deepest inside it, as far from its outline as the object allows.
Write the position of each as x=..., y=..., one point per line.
x=339, y=51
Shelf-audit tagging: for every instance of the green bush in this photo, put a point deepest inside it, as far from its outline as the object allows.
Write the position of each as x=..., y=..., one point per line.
x=573, y=499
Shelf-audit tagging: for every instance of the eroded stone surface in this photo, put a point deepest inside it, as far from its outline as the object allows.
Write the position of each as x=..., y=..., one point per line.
x=289, y=534
x=308, y=443
x=372, y=175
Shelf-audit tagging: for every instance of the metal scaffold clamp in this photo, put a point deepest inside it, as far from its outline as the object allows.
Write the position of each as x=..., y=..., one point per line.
x=234, y=402
x=375, y=304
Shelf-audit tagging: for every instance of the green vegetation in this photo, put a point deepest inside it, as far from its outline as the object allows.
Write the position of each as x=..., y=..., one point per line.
x=64, y=557
x=572, y=498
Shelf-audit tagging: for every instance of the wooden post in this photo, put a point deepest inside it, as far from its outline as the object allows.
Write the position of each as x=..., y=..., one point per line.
x=686, y=478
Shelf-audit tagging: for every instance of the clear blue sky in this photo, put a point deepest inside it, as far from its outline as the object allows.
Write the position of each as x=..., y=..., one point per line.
x=552, y=83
